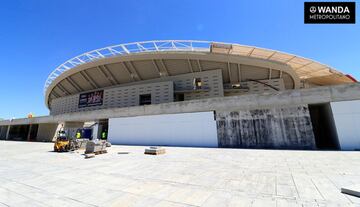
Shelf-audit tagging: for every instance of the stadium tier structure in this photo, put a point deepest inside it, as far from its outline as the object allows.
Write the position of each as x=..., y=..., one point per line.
x=195, y=93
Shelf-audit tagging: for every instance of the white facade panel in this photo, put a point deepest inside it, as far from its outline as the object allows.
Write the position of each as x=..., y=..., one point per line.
x=347, y=120
x=187, y=129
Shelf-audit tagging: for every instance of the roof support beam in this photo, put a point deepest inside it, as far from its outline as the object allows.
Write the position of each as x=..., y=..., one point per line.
x=157, y=68
x=134, y=71
x=270, y=71
x=61, y=87
x=229, y=71
x=290, y=59
x=89, y=79
x=190, y=66
x=125, y=49
x=72, y=84
x=128, y=70
x=55, y=94
x=271, y=55
x=105, y=75
x=250, y=53
x=111, y=74
x=239, y=71
x=199, y=65
x=303, y=66
x=164, y=66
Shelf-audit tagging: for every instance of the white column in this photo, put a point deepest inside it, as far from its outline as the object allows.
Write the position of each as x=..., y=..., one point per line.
x=95, y=130
x=7, y=132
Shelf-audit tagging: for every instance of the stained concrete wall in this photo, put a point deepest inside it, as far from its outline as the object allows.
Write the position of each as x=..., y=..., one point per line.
x=286, y=127
x=347, y=121
x=46, y=132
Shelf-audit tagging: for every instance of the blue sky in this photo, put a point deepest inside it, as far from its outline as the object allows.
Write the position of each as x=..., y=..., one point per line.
x=38, y=35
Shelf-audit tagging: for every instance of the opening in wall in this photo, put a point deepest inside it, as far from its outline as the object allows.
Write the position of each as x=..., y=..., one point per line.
x=324, y=126
x=33, y=132
x=179, y=97
x=197, y=83
x=103, y=129
x=145, y=99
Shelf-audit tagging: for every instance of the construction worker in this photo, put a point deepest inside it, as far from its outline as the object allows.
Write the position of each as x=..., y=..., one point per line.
x=78, y=135
x=103, y=135
x=62, y=133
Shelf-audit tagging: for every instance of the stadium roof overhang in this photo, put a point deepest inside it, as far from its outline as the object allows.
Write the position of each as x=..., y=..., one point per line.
x=303, y=68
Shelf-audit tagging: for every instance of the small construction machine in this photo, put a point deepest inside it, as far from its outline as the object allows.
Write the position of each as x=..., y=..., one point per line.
x=64, y=143
x=82, y=138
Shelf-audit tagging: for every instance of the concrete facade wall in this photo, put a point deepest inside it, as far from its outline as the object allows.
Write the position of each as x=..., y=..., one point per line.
x=126, y=96
x=211, y=82
x=347, y=120
x=161, y=90
x=324, y=94
x=286, y=127
x=187, y=129
x=255, y=87
x=46, y=132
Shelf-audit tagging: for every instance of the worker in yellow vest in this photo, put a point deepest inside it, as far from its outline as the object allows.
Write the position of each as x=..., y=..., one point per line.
x=78, y=135
x=103, y=135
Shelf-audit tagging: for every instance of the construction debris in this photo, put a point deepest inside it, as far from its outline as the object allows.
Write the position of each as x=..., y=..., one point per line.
x=353, y=190
x=154, y=151
x=87, y=156
x=96, y=147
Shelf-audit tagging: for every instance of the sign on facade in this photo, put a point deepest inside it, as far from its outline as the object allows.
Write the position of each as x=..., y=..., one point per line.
x=89, y=99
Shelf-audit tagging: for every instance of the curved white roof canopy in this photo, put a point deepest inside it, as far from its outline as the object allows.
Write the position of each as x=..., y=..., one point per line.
x=306, y=69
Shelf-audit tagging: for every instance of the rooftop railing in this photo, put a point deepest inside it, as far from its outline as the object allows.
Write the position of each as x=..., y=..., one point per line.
x=128, y=48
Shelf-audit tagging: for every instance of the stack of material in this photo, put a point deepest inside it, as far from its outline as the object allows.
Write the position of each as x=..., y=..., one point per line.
x=96, y=147
x=87, y=156
x=154, y=151
x=81, y=143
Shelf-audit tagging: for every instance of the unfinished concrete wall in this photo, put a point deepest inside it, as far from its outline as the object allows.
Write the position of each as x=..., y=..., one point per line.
x=288, y=127
x=46, y=132
x=161, y=90
x=211, y=83
x=256, y=87
x=124, y=96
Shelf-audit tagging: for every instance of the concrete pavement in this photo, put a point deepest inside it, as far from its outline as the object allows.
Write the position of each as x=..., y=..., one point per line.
x=32, y=175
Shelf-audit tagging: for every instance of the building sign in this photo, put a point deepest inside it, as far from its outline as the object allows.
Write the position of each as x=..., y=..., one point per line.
x=329, y=12
x=89, y=99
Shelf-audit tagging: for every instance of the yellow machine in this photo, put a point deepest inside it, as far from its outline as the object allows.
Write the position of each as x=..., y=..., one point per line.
x=63, y=143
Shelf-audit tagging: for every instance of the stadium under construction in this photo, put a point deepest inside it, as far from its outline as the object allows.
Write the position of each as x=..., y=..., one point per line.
x=198, y=93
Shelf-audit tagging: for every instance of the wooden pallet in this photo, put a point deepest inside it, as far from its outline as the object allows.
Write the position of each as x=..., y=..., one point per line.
x=100, y=152
x=154, y=151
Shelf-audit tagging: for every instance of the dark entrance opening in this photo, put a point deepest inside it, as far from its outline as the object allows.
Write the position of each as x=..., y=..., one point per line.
x=3, y=132
x=324, y=127
x=179, y=97
x=19, y=132
x=145, y=99
x=103, y=129
x=33, y=132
